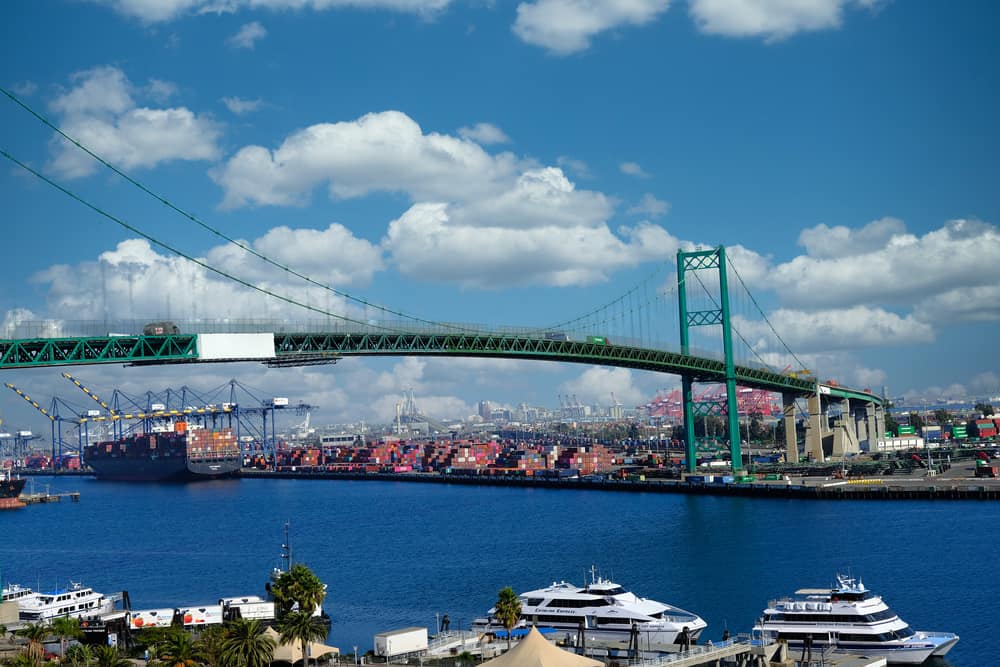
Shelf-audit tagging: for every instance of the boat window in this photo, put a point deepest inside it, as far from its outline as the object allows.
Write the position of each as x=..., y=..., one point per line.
x=617, y=590
x=543, y=618
x=884, y=615
x=577, y=604
x=533, y=602
x=604, y=620
x=904, y=633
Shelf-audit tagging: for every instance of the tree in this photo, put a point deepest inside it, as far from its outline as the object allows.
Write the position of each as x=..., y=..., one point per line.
x=247, y=645
x=110, y=656
x=36, y=635
x=507, y=610
x=78, y=655
x=66, y=628
x=301, y=626
x=210, y=645
x=178, y=650
x=298, y=589
x=916, y=421
x=985, y=409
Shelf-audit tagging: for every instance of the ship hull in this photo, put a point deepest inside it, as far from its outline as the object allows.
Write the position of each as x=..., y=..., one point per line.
x=161, y=470
x=10, y=492
x=166, y=457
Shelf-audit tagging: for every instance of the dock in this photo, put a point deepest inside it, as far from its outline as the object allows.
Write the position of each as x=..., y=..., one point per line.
x=36, y=498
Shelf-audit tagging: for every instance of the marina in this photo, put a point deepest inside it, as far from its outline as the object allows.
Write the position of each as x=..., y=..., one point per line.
x=395, y=555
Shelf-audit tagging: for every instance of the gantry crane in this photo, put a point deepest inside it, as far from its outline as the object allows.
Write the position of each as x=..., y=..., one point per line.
x=55, y=421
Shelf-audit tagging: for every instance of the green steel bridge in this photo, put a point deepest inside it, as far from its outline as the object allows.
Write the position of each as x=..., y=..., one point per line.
x=291, y=348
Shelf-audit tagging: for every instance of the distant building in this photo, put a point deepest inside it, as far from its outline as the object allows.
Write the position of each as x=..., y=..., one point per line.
x=484, y=411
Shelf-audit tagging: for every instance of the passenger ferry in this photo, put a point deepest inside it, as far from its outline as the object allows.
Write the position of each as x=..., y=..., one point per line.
x=75, y=602
x=602, y=610
x=849, y=618
x=16, y=593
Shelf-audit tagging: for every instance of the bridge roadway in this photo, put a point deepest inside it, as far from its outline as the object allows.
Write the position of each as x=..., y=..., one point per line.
x=296, y=349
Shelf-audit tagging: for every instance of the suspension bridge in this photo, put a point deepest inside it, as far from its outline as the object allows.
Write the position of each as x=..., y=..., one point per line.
x=721, y=336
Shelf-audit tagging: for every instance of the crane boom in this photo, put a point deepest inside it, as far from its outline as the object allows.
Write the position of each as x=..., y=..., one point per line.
x=30, y=400
x=89, y=393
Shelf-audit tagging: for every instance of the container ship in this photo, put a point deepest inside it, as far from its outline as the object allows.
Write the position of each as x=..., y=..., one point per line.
x=10, y=491
x=179, y=455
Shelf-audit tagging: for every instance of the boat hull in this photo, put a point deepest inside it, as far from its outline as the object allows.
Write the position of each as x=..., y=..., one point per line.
x=10, y=492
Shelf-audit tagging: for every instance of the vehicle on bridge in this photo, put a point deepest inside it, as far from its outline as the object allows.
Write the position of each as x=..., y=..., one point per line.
x=164, y=328
x=557, y=335
x=598, y=340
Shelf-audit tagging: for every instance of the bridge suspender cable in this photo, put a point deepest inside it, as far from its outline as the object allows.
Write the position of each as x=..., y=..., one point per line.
x=193, y=218
x=178, y=252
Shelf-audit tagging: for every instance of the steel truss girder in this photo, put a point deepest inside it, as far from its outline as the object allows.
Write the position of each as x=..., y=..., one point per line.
x=27, y=353
x=36, y=352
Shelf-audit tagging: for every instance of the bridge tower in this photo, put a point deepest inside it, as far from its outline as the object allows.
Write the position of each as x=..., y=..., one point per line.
x=701, y=260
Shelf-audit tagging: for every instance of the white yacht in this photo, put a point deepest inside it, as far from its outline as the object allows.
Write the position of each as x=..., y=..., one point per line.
x=849, y=618
x=16, y=593
x=76, y=602
x=602, y=610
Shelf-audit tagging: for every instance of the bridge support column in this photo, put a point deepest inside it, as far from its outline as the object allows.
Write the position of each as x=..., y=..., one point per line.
x=791, y=438
x=879, y=423
x=814, y=430
x=687, y=398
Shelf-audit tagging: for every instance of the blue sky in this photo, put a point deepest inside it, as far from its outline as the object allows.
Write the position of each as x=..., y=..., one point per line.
x=514, y=163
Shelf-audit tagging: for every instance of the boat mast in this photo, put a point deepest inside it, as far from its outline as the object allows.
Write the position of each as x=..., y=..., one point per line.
x=286, y=550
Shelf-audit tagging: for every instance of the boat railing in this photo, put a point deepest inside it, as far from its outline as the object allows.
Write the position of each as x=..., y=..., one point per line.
x=701, y=651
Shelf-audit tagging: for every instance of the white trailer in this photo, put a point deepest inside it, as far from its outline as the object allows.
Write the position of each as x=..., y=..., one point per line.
x=196, y=616
x=408, y=641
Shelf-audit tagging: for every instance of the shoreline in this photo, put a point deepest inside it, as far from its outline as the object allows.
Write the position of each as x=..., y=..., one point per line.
x=813, y=488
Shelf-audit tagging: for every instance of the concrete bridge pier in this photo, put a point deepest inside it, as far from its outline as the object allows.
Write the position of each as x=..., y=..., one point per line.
x=814, y=429
x=791, y=438
x=845, y=434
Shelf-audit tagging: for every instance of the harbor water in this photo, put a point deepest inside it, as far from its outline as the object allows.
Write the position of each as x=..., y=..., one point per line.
x=396, y=554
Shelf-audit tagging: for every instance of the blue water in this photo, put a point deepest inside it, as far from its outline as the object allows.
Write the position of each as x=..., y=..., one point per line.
x=395, y=554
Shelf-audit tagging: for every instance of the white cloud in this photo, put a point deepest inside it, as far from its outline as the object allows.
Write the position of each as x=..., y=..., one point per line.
x=897, y=267
x=632, y=169
x=308, y=251
x=578, y=168
x=133, y=281
x=495, y=256
x=155, y=11
x=567, y=26
x=824, y=242
x=160, y=91
x=836, y=329
x=384, y=151
x=595, y=385
x=240, y=106
x=99, y=111
x=771, y=19
x=651, y=206
x=248, y=35
x=484, y=134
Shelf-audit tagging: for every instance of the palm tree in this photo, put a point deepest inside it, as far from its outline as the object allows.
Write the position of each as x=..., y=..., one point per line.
x=507, y=610
x=78, y=654
x=36, y=635
x=298, y=588
x=303, y=627
x=66, y=628
x=210, y=643
x=178, y=650
x=110, y=656
x=247, y=645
